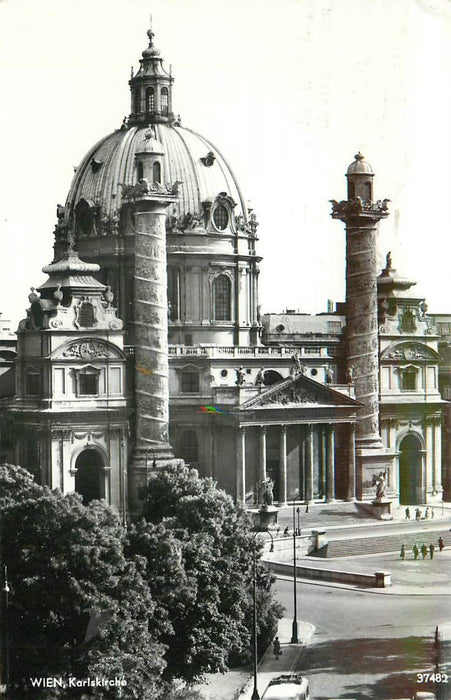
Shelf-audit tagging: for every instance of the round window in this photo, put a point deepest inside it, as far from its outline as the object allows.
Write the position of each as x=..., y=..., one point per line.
x=223, y=373
x=221, y=217
x=314, y=372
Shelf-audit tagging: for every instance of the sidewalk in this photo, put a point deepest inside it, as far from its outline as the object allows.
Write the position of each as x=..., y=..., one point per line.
x=409, y=577
x=239, y=684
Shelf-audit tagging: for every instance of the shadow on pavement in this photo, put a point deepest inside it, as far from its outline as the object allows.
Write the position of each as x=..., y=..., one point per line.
x=383, y=668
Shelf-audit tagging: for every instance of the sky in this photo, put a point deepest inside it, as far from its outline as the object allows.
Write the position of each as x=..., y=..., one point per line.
x=287, y=90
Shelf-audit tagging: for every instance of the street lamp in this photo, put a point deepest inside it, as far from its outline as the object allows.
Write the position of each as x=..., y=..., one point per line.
x=298, y=511
x=255, y=695
x=5, y=591
x=294, y=628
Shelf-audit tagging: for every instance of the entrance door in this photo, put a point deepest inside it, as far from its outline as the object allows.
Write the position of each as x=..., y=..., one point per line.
x=410, y=467
x=89, y=477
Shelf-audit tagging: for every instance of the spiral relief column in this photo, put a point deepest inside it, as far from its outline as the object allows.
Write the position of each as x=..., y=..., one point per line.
x=148, y=202
x=361, y=216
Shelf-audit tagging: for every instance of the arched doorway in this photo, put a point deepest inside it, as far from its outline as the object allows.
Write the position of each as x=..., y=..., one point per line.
x=89, y=479
x=410, y=468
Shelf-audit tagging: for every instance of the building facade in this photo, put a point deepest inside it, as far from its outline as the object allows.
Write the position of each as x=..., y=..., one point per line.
x=187, y=367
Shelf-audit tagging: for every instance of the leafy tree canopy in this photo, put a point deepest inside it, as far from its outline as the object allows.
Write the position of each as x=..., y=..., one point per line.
x=213, y=547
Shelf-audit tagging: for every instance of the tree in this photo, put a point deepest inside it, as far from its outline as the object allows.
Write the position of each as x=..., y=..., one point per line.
x=209, y=602
x=63, y=560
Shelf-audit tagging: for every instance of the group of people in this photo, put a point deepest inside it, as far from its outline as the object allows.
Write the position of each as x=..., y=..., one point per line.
x=423, y=550
x=428, y=513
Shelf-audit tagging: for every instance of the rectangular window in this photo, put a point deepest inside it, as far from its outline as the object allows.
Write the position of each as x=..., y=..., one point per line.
x=190, y=383
x=409, y=381
x=88, y=384
x=33, y=384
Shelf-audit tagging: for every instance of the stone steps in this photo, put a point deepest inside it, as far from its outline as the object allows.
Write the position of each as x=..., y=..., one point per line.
x=386, y=543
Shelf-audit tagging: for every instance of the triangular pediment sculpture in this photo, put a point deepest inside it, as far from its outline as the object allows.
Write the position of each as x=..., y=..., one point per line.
x=300, y=391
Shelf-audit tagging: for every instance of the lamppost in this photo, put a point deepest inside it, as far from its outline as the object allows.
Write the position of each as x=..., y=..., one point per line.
x=255, y=695
x=298, y=512
x=5, y=591
x=294, y=629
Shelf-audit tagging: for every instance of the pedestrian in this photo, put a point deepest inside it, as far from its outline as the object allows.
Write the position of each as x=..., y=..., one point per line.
x=415, y=551
x=407, y=513
x=432, y=514
x=426, y=514
x=306, y=508
x=417, y=513
x=424, y=551
x=403, y=552
x=276, y=648
x=441, y=544
x=431, y=550
x=286, y=531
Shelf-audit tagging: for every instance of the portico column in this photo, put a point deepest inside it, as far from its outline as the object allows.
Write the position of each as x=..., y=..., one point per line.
x=350, y=496
x=330, y=466
x=241, y=465
x=262, y=453
x=429, y=457
x=309, y=465
x=283, y=466
x=437, y=481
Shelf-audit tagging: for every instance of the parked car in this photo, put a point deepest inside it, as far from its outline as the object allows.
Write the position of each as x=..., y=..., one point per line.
x=289, y=686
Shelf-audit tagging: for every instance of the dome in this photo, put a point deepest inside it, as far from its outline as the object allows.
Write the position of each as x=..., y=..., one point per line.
x=189, y=159
x=360, y=166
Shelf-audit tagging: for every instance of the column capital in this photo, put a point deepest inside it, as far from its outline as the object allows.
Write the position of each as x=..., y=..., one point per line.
x=263, y=429
x=283, y=429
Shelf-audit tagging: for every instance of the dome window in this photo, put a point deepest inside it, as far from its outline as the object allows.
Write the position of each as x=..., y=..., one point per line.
x=164, y=101
x=140, y=170
x=222, y=298
x=137, y=102
x=150, y=100
x=156, y=172
x=221, y=217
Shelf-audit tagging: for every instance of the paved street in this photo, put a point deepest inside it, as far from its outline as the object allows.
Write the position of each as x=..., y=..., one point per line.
x=365, y=645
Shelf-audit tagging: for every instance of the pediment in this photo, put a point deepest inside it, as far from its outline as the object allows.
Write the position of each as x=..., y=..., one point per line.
x=409, y=351
x=87, y=349
x=298, y=392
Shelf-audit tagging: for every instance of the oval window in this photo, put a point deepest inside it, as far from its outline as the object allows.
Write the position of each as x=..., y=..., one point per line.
x=221, y=217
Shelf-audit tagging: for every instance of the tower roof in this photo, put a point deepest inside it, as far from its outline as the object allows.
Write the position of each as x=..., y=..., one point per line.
x=359, y=166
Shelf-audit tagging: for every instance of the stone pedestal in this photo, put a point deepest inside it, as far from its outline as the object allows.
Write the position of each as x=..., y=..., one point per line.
x=381, y=510
x=265, y=517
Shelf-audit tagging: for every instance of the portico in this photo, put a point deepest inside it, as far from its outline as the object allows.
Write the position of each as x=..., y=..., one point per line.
x=301, y=435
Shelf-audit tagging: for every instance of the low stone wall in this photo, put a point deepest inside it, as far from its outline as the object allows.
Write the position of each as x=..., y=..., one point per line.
x=380, y=579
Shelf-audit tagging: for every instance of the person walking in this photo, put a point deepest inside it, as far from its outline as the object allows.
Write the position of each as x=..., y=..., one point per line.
x=426, y=514
x=276, y=648
x=403, y=552
x=441, y=544
x=407, y=513
x=424, y=551
x=432, y=514
x=415, y=551
x=431, y=550
x=417, y=514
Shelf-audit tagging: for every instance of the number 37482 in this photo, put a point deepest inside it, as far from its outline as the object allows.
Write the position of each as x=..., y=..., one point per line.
x=432, y=678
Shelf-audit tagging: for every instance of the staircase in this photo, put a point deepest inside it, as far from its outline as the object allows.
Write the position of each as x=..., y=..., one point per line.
x=386, y=543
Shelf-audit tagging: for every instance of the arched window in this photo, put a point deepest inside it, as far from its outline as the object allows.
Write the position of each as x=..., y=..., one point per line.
x=156, y=172
x=189, y=446
x=150, y=100
x=368, y=191
x=140, y=170
x=221, y=217
x=351, y=190
x=174, y=293
x=33, y=382
x=164, y=101
x=137, y=102
x=222, y=294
